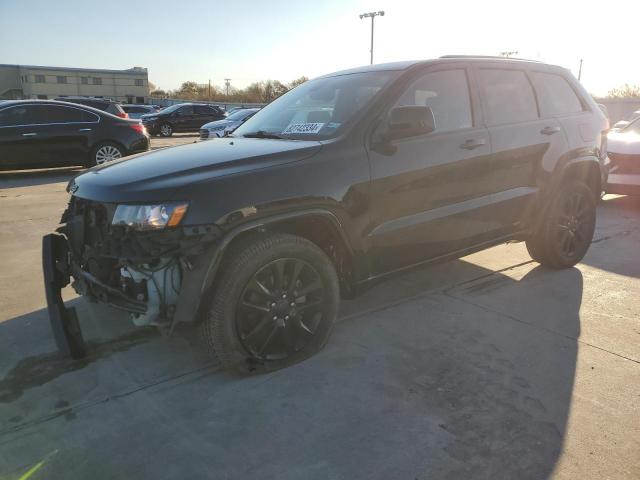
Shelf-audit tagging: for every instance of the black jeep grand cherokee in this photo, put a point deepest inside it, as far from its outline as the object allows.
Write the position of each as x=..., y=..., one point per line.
x=342, y=181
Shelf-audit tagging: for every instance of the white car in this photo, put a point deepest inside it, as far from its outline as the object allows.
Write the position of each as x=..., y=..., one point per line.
x=619, y=125
x=623, y=148
x=220, y=128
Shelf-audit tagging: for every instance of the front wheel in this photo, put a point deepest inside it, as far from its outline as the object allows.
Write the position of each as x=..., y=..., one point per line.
x=566, y=231
x=275, y=304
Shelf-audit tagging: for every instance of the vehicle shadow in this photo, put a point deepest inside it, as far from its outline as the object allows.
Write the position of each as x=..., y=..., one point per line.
x=27, y=178
x=453, y=371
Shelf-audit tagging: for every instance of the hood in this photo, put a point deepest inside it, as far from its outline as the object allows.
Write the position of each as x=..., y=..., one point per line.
x=149, y=115
x=626, y=143
x=155, y=176
x=217, y=123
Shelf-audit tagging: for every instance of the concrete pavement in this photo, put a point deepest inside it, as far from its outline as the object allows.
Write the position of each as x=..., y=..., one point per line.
x=484, y=367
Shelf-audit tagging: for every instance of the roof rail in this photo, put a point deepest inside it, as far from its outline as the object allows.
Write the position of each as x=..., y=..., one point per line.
x=494, y=57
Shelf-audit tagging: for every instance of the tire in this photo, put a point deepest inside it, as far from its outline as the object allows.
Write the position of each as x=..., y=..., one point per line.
x=166, y=130
x=105, y=152
x=567, y=228
x=256, y=324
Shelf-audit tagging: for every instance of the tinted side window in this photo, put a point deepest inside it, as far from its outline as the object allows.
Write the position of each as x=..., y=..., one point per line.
x=555, y=94
x=447, y=93
x=204, y=110
x=186, y=110
x=57, y=114
x=507, y=96
x=14, y=116
x=23, y=115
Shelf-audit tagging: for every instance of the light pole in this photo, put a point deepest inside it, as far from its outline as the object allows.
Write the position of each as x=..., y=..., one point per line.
x=227, y=83
x=372, y=15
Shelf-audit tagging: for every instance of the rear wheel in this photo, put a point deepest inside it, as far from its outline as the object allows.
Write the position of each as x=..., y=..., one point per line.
x=166, y=130
x=275, y=305
x=105, y=152
x=566, y=231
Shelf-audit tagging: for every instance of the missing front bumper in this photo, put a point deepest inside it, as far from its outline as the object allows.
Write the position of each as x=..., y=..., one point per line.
x=64, y=321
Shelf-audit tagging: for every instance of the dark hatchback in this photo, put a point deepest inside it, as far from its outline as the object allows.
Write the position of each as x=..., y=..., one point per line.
x=182, y=117
x=41, y=133
x=337, y=184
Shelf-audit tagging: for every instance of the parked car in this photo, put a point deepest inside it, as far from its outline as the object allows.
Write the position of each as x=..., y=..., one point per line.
x=182, y=117
x=47, y=133
x=136, y=111
x=619, y=125
x=220, y=128
x=384, y=168
x=104, y=104
x=624, y=152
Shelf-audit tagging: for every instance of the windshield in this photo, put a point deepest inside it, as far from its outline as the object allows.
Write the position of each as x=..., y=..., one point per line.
x=633, y=127
x=317, y=109
x=240, y=114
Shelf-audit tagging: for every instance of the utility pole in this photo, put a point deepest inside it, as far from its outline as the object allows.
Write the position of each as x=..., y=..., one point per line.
x=209, y=89
x=227, y=83
x=372, y=15
x=580, y=70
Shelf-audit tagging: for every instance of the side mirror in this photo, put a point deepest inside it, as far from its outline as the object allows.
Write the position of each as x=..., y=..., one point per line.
x=410, y=121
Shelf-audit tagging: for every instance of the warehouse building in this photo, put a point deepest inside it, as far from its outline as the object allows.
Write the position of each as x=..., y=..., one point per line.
x=29, y=81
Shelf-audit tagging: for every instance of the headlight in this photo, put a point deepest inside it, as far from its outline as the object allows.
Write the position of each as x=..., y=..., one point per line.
x=150, y=217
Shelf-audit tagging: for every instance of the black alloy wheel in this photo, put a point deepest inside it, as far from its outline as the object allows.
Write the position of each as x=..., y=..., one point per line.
x=280, y=309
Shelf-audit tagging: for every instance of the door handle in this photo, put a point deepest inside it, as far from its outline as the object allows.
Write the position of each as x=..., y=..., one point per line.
x=473, y=143
x=549, y=130
x=29, y=134
x=84, y=130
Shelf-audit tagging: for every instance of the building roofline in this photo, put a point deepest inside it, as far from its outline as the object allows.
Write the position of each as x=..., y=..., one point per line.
x=129, y=71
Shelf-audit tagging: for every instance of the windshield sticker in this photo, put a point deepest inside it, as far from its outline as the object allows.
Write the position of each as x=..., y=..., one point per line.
x=303, y=128
x=333, y=124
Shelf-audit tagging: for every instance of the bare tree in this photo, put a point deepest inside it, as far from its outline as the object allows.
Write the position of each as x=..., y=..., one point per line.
x=626, y=91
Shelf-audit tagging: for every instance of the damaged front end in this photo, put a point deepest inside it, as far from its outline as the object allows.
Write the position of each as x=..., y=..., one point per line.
x=155, y=273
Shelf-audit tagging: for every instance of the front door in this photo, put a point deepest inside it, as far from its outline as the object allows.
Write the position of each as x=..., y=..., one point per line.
x=430, y=193
x=20, y=138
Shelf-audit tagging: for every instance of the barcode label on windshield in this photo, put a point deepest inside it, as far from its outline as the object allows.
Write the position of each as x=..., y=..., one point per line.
x=303, y=128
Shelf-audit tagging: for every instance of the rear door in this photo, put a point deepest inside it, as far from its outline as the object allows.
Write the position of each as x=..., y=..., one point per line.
x=67, y=133
x=204, y=114
x=427, y=191
x=522, y=142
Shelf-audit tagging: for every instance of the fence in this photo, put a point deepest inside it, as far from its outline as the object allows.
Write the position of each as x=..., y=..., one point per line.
x=165, y=102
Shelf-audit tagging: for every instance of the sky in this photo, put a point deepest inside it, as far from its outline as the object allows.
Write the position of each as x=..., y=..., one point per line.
x=254, y=40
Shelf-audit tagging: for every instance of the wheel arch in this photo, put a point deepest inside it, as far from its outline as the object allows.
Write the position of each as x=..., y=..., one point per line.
x=585, y=169
x=319, y=226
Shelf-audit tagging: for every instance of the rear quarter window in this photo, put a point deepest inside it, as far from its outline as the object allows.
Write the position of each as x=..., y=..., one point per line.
x=555, y=95
x=507, y=96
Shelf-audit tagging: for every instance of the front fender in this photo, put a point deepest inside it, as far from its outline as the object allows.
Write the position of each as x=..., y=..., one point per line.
x=198, y=281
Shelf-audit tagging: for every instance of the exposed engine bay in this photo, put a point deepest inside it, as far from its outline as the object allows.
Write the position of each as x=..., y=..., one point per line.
x=141, y=272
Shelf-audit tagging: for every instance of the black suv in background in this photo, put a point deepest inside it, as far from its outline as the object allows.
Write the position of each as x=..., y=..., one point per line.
x=104, y=104
x=339, y=183
x=182, y=117
x=43, y=133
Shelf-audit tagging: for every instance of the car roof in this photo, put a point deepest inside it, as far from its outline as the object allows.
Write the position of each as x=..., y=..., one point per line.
x=405, y=65
x=92, y=99
x=50, y=102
